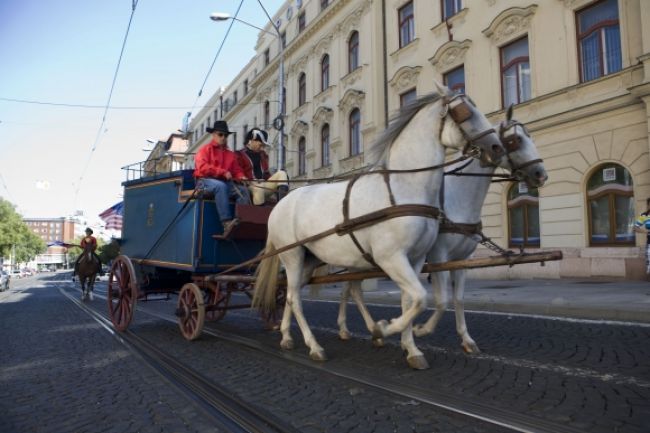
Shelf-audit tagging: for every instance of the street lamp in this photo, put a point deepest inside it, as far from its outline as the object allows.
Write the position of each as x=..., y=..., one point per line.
x=278, y=123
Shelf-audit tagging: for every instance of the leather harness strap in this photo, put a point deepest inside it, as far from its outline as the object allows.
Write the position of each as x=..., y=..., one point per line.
x=349, y=225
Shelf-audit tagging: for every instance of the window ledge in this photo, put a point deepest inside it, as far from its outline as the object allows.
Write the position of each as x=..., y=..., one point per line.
x=408, y=47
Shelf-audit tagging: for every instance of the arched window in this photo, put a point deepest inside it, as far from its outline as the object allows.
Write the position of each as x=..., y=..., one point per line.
x=353, y=51
x=267, y=114
x=302, y=89
x=523, y=216
x=355, y=132
x=325, y=73
x=325, y=145
x=610, y=201
x=302, y=164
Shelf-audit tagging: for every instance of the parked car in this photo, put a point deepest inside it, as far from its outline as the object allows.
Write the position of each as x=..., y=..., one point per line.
x=4, y=280
x=17, y=273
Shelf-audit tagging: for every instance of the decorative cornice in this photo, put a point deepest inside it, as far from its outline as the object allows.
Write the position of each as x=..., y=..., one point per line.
x=351, y=98
x=450, y=55
x=510, y=24
x=299, y=128
x=406, y=77
x=352, y=21
x=298, y=66
x=322, y=115
x=352, y=163
x=351, y=78
x=322, y=96
x=576, y=4
x=322, y=46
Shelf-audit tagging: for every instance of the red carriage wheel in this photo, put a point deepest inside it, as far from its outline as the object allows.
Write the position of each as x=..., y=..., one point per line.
x=217, y=298
x=273, y=318
x=122, y=292
x=190, y=311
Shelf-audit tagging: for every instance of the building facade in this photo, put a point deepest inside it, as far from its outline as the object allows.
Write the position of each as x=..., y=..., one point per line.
x=577, y=71
x=52, y=230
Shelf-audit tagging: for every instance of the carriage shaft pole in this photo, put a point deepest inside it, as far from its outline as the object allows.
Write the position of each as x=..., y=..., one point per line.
x=484, y=262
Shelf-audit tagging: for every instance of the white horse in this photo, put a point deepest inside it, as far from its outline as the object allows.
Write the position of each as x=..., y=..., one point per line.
x=415, y=140
x=463, y=200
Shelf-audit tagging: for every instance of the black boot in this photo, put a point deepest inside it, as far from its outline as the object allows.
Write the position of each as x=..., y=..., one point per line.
x=283, y=190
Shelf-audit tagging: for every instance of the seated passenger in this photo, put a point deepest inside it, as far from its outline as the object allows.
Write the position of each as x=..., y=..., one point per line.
x=217, y=171
x=254, y=161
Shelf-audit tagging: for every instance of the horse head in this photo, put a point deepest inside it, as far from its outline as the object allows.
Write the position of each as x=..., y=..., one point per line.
x=463, y=122
x=522, y=159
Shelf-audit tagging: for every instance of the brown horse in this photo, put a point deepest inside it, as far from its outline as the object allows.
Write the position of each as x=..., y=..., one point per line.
x=87, y=271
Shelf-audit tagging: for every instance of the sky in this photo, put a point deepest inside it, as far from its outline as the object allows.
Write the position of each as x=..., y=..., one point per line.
x=66, y=52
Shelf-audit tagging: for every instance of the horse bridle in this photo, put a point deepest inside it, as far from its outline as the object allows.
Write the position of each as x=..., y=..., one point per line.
x=513, y=144
x=458, y=107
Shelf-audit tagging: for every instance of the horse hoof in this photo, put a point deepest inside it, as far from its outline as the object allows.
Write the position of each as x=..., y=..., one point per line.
x=318, y=355
x=419, y=331
x=470, y=348
x=378, y=342
x=378, y=331
x=417, y=362
x=286, y=344
x=345, y=335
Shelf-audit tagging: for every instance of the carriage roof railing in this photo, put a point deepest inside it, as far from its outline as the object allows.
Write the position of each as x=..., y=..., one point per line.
x=167, y=163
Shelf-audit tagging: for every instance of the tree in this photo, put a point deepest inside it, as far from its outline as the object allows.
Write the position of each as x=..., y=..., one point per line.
x=16, y=237
x=109, y=251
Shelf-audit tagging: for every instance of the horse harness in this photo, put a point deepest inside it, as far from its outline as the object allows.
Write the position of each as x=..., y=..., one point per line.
x=459, y=112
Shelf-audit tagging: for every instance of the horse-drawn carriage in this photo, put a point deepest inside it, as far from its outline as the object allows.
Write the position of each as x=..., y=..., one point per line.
x=169, y=245
x=381, y=222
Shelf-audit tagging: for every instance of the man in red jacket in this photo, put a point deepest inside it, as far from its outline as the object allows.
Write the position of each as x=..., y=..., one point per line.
x=217, y=171
x=255, y=163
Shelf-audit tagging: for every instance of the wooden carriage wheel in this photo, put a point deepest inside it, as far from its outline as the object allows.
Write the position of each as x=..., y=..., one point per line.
x=122, y=292
x=219, y=298
x=273, y=318
x=190, y=311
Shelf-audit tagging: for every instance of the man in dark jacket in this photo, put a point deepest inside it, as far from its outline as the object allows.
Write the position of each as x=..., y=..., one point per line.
x=254, y=162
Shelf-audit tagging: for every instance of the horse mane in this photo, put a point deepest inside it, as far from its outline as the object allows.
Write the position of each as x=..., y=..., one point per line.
x=396, y=125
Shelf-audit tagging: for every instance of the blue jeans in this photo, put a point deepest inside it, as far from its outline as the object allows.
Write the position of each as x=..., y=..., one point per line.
x=223, y=190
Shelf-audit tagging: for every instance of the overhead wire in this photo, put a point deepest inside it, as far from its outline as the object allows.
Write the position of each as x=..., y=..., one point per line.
x=225, y=37
x=102, y=129
x=113, y=107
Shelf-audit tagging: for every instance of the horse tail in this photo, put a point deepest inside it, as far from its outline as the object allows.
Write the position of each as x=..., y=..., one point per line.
x=266, y=281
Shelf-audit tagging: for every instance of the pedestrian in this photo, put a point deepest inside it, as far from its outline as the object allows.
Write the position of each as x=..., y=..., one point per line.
x=254, y=161
x=218, y=172
x=641, y=225
x=89, y=239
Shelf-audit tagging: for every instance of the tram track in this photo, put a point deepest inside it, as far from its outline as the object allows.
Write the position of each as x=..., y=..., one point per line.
x=447, y=402
x=227, y=411
x=455, y=404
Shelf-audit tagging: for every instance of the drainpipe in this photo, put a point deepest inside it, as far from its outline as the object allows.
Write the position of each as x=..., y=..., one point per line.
x=385, y=60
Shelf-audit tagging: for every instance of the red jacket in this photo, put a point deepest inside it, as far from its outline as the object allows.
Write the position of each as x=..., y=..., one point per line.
x=215, y=161
x=89, y=240
x=247, y=165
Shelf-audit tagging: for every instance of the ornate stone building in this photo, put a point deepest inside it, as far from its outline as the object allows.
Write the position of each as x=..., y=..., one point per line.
x=578, y=72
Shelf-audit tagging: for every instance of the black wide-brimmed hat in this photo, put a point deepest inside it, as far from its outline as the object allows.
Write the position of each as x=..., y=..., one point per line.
x=219, y=126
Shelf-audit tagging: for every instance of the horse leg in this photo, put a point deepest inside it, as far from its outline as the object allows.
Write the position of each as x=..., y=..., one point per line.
x=293, y=262
x=91, y=287
x=352, y=288
x=344, y=332
x=469, y=346
x=403, y=273
x=287, y=314
x=440, y=286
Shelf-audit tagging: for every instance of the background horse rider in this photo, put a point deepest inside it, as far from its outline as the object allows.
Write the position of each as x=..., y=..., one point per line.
x=89, y=239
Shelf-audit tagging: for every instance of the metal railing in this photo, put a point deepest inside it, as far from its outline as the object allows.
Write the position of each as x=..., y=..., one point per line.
x=167, y=163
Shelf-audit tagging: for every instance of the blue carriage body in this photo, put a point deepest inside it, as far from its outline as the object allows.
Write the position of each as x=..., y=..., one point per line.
x=164, y=227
